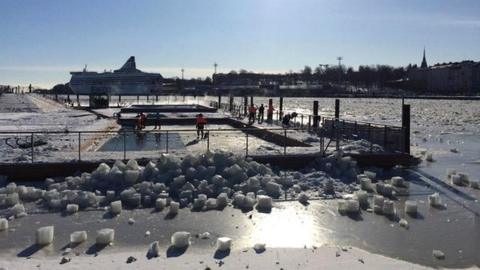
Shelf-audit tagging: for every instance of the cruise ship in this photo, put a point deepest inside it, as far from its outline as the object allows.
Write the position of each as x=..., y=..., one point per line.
x=127, y=80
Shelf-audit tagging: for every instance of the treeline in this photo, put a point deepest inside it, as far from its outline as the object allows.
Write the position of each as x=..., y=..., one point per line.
x=367, y=76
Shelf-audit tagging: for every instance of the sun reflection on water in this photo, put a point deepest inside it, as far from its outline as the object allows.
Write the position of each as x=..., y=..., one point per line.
x=288, y=226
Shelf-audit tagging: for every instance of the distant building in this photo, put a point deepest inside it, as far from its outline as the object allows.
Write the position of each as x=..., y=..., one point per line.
x=127, y=80
x=446, y=78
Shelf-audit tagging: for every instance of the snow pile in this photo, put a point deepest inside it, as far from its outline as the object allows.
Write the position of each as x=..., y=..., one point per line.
x=180, y=239
x=44, y=235
x=105, y=236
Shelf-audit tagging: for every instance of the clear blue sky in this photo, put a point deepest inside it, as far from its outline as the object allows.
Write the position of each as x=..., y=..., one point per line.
x=40, y=41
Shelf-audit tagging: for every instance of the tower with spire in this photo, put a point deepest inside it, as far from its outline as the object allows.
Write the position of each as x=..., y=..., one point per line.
x=424, y=60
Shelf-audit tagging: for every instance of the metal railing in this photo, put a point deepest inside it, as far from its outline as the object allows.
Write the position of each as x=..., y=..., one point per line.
x=389, y=137
x=56, y=146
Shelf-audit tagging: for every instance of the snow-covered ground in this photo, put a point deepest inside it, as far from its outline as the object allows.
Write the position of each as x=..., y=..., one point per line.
x=31, y=113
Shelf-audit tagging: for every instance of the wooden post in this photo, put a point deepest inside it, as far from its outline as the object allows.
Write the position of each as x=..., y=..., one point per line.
x=251, y=101
x=406, y=127
x=219, y=101
x=280, y=108
x=138, y=99
x=230, y=104
x=156, y=98
x=245, y=105
x=119, y=99
x=78, y=100
x=270, y=114
x=337, y=109
x=148, y=98
x=315, y=114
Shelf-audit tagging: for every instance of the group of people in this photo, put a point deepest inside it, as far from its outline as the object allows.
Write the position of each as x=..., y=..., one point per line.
x=141, y=119
x=252, y=113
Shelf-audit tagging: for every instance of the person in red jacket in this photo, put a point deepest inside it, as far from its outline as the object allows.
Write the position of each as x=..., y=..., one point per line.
x=200, y=123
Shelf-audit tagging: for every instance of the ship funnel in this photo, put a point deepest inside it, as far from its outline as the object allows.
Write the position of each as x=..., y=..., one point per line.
x=129, y=65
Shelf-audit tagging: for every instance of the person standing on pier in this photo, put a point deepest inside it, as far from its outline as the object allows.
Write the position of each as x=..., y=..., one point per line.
x=252, y=111
x=270, y=113
x=143, y=119
x=200, y=123
x=157, y=121
x=261, y=112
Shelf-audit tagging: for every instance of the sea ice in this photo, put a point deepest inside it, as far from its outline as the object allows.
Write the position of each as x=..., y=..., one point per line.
x=411, y=207
x=403, y=223
x=199, y=202
x=160, y=203
x=362, y=197
x=249, y=202
x=435, y=199
x=378, y=202
x=45, y=235
x=397, y=181
x=238, y=199
x=132, y=165
x=72, y=208
x=264, y=202
x=130, y=176
x=154, y=249
x=366, y=184
x=18, y=210
x=11, y=199
x=3, y=224
x=438, y=254
x=388, y=190
x=78, y=237
x=180, y=239
x=173, y=208
x=273, y=189
x=211, y=204
x=204, y=235
x=224, y=243
x=389, y=208
x=371, y=175
x=105, y=236
x=303, y=198
x=116, y=207
x=259, y=247
x=475, y=184
x=222, y=200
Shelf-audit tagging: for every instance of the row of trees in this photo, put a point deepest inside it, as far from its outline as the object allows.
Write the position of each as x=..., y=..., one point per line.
x=366, y=76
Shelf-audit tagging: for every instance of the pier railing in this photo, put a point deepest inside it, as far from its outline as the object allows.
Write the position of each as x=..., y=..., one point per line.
x=390, y=138
x=75, y=146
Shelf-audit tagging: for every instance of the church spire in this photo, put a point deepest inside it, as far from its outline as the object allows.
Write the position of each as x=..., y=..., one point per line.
x=424, y=60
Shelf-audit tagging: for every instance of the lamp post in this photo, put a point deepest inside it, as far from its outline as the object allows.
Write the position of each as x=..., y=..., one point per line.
x=339, y=69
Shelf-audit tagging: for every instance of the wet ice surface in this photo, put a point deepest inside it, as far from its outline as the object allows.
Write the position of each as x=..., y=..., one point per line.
x=452, y=230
